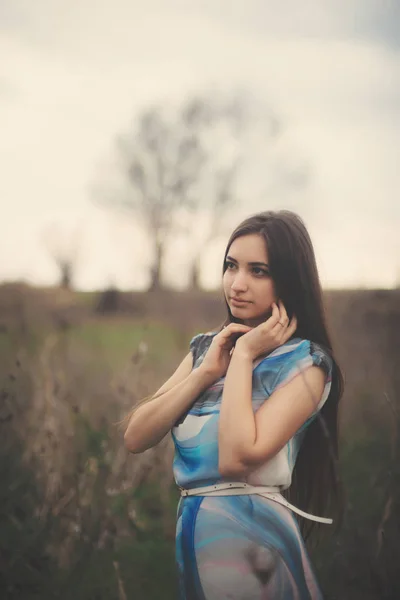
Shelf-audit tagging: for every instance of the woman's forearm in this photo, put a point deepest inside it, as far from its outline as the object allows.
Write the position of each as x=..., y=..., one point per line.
x=152, y=421
x=237, y=427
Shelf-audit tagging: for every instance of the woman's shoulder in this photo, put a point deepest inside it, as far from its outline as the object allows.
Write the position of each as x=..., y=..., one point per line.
x=292, y=358
x=298, y=353
x=297, y=346
x=293, y=348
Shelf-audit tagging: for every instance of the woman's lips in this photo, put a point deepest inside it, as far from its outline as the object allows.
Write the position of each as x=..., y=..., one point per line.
x=237, y=302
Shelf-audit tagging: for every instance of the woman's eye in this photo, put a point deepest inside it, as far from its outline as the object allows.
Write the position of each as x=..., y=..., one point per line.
x=259, y=271
x=229, y=266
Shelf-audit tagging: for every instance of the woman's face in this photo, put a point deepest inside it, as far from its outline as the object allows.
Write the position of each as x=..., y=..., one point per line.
x=249, y=289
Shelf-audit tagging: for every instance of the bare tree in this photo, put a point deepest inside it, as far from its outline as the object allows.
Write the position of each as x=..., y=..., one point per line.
x=63, y=245
x=180, y=171
x=161, y=159
x=167, y=160
x=66, y=271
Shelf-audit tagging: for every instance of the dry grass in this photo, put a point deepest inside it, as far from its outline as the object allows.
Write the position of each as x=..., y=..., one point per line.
x=69, y=376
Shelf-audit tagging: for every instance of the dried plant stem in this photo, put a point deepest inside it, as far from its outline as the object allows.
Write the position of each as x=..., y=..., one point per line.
x=121, y=589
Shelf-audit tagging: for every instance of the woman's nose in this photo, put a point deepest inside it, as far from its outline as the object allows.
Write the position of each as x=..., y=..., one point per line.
x=239, y=283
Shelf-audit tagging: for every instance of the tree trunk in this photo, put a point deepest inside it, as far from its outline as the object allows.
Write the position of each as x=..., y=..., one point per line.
x=156, y=274
x=194, y=283
x=66, y=275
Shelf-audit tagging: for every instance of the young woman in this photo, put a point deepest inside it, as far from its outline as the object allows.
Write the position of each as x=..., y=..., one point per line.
x=253, y=413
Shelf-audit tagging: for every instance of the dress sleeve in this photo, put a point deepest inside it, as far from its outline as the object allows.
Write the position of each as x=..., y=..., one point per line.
x=199, y=345
x=295, y=360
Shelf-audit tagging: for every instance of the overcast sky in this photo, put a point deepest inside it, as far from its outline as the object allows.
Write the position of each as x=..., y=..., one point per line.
x=73, y=73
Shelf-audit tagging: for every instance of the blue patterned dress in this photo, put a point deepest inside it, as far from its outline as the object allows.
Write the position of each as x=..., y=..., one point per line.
x=241, y=547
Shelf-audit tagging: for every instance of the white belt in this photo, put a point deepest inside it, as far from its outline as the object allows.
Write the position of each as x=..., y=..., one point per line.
x=240, y=488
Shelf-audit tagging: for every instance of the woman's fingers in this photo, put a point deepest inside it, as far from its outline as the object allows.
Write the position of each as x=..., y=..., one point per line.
x=275, y=311
x=277, y=322
x=279, y=329
x=232, y=331
x=290, y=330
x=273, y=319
x=283, y=329
x=284, y=319
x=235, y=328
x=293, y=325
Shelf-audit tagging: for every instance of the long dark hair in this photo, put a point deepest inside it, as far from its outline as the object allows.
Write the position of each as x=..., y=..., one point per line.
x=315, y=486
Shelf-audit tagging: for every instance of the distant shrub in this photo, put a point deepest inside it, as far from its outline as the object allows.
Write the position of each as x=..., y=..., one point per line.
x=109, y=301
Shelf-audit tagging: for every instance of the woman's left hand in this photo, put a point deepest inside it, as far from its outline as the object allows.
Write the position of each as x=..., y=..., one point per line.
x=270, y=334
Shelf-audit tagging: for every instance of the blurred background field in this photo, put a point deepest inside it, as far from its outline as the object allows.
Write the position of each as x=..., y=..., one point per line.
x=80, y=518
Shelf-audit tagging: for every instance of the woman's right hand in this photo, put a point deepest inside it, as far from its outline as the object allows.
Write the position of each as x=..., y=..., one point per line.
x=216, y=362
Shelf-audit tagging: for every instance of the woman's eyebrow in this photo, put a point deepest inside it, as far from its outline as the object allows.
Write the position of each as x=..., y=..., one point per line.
x=252, y=264
x=258, y=264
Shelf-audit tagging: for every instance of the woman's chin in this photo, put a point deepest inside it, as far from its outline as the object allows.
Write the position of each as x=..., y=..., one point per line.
x=246, y=317
x=240, y=312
